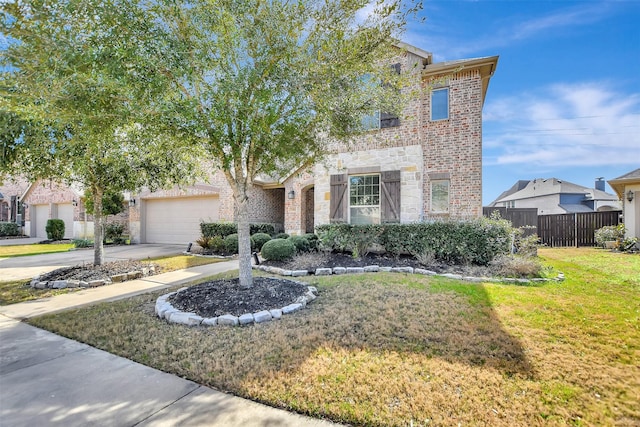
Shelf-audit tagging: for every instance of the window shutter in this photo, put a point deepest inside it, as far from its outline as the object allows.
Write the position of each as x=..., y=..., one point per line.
x=339, y=202
x=390, y=202
x=390, y=120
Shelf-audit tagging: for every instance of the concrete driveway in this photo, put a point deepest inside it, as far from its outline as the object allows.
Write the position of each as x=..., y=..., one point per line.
x=26, y=267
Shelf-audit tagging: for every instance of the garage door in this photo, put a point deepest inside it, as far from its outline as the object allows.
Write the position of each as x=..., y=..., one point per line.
x=65, y=213
x=178, y=220
x=39, y=215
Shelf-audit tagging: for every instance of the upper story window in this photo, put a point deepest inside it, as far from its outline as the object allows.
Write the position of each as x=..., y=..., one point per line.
x=440, y=104
x=379, y=119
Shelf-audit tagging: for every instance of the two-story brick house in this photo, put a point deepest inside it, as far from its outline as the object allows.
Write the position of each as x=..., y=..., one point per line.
x=424, y=163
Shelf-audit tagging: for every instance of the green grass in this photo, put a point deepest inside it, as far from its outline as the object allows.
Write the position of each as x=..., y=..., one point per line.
x=395, y=349
x=25, y=250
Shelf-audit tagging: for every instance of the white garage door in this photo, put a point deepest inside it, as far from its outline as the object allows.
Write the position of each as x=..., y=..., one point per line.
x=178, y=220
x=39, y=215
x=65, y=213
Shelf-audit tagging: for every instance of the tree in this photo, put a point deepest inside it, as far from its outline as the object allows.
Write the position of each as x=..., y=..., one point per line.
x=68, y=96
x=266, y=86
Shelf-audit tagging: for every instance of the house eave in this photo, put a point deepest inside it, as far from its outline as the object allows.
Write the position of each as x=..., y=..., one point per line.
x=619, y=184
x=486, y=65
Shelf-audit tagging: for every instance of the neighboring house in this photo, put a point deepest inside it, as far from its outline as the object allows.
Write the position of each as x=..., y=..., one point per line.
x=554, y=196
x=425, y=163
x=627, y=187
x=11, y=190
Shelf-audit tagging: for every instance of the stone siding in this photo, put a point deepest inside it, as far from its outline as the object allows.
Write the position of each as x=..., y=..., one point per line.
x=406, y=159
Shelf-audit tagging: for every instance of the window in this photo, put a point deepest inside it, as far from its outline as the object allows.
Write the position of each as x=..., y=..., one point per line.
x=381, y=120
x=364, y=199
x=440, y=104
x=440, y=195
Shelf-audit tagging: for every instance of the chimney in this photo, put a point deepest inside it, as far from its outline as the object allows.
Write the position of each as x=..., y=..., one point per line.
x=600, y=183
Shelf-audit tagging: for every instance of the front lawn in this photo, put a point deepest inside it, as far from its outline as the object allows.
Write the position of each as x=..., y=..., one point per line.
x=37, y=249
x=394, y=349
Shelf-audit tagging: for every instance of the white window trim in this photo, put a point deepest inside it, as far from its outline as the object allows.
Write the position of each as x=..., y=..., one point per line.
x=379, y=205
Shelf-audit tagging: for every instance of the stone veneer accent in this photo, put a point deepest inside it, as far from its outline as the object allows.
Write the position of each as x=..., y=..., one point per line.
x=165, y=310
x=406, y=159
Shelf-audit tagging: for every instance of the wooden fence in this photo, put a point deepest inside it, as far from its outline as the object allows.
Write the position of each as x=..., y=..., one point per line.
x=574, y=229
x=527, y=218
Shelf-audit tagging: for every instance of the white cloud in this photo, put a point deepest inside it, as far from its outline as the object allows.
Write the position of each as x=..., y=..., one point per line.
x=564, y=125
x=437, y=36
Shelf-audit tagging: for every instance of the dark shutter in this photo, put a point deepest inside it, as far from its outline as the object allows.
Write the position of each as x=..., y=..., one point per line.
x=390, y=120
x=339, y=202
x=390, y=202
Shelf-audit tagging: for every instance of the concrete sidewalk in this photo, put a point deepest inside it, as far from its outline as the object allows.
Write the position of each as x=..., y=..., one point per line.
x=46, y=379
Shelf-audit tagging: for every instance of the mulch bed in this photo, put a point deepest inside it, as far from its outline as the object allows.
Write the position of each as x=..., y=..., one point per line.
x=313, y=260
x=90, y=272
x=213, y=299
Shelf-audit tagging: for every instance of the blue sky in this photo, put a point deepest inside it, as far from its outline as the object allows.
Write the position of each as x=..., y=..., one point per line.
x=565, y=99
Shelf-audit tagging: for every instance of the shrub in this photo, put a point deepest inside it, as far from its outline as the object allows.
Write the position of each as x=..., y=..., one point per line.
x=475, y=241
x=82, y=243
x=313, y=241
x=261, y=228
x=55, y=229
x=217, y=244
x=224, y=229
x=517, y=266
x=281, y=236
x=278, y=249
x=204, y=242
x=9, y=229
x=301, y=243
x=609, y=233
x=113, y=231
x=258, y=240
x=231, y=243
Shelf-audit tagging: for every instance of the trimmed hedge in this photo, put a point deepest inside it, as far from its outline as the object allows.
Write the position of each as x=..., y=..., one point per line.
x=281, y=236
x=258, y=240
x=301, y=243
x=223, y=229
x=474, y=241
x=231, y=243
x=9, y=229
x=55, y=229
x=278, y=250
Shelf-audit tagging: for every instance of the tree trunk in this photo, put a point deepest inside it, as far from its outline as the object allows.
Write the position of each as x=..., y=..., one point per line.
x=244, y=240
x=98, y=233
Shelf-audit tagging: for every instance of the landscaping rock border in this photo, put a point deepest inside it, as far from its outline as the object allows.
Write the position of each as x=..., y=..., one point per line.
x=407, y=270
x=70, y=283
x=165, y=310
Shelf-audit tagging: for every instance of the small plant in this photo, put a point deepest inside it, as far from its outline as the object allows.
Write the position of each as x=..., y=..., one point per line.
x=313, y=240
x=55, y=229
x=301, y=243
x=278, y=250
x=231, y=243
x=258, y=240
x=82, y=243
x=609, y=233
x=281, y=236
x=517, y=266
x=628, y=244
x=9, y=229
x=113, y=232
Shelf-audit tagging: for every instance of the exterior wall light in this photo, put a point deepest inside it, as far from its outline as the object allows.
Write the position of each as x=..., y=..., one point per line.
x=630, y=196
x=132, y=203
x=292, y=194
x=74, y=202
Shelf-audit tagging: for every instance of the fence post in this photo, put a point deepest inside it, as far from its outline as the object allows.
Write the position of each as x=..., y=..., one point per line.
x=575, y=228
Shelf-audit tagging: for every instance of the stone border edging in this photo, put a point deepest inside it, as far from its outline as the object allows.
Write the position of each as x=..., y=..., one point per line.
x=408, y=270
x=71, y=283
x=165, y=310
